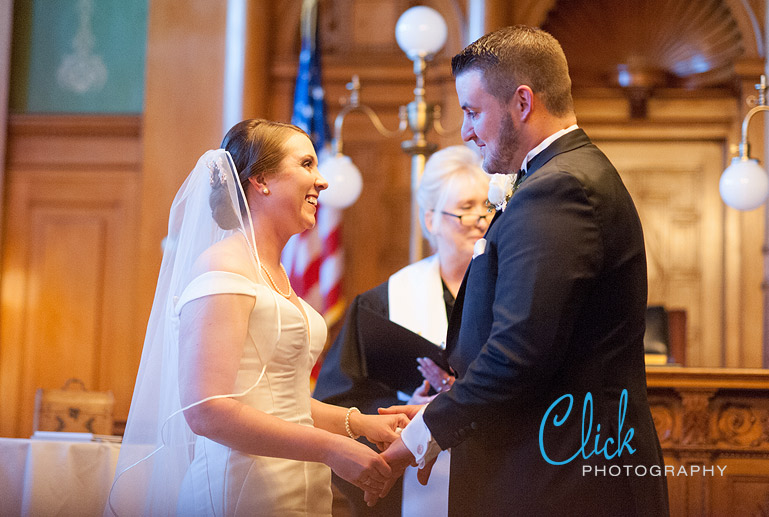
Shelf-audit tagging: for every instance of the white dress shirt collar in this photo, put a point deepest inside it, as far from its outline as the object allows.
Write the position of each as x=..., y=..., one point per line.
x=544, y=144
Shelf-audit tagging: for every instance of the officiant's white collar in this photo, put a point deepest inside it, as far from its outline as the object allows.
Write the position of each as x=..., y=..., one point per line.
x=415, y=296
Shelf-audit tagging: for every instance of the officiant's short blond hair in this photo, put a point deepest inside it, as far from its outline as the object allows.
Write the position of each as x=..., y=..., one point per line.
x=441, y=171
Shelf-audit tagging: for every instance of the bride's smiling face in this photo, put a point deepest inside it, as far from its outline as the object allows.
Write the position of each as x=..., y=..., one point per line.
x=296, y=186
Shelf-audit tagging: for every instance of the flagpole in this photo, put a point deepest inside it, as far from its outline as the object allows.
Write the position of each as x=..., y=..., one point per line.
x=314, y=259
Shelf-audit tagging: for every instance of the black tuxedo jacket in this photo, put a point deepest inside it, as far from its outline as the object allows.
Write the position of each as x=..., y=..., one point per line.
x=554, y=306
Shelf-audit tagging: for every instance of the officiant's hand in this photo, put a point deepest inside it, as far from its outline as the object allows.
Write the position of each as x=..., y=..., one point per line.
x=381, y=430
x=438, y=378
x=421, y=395
x=398, y=457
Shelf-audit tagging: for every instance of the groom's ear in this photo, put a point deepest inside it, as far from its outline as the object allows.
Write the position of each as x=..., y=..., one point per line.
x=521, y=103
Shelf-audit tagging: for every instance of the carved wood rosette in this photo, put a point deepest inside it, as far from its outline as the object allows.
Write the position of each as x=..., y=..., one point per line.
x=699, y=418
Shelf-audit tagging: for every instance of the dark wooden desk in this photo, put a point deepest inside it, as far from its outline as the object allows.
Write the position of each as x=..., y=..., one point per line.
x=713, y=418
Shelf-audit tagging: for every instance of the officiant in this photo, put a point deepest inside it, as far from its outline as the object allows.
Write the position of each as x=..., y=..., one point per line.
x=371, y=364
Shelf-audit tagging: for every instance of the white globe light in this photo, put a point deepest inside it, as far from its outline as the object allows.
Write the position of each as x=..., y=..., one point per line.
x=421, y=32
x=744, y=184
x=344, y=182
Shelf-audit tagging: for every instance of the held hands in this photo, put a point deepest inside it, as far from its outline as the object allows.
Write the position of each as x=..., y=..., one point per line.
x=381, y=430
x=398, y=457
x=358, y=464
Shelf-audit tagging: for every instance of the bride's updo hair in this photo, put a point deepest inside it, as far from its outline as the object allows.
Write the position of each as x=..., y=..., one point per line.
x=257, y=148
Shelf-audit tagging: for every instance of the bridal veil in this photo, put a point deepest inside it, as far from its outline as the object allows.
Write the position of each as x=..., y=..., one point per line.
x=157, y=445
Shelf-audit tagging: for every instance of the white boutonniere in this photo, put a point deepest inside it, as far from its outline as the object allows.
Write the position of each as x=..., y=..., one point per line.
x=501, y=190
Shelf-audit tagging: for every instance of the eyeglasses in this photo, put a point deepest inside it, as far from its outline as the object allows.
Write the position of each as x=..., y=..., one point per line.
x=471, y=219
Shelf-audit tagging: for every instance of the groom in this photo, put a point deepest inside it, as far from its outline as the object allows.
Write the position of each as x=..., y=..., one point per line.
x=549, y=415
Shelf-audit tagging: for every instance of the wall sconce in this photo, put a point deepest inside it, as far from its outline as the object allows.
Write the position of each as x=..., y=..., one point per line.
x=420, y=32
x=744, y=184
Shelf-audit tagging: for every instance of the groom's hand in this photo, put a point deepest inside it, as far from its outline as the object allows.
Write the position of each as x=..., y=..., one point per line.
x=409, y=410
x=398, y=457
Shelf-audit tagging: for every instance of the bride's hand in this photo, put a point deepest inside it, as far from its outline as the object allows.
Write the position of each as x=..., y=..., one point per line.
x=381, y=430
x=358, y=464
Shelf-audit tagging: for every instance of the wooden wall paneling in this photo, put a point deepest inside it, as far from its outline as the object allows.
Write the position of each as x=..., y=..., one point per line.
x=675, y=188
x=743, y=490
x=729, y=317
x=528, y=12
x=68, y=261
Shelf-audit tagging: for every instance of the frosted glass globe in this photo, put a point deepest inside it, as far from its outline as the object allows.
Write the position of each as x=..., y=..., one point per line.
x=420, y=32
x=744, y=184
x=344, y=182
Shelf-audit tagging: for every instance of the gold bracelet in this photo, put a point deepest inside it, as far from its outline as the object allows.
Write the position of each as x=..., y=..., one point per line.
x=347, y=423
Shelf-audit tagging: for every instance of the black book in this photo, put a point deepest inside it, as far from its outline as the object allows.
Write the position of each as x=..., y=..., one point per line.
x=390, y=351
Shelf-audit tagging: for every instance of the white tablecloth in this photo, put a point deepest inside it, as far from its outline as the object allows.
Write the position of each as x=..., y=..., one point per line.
x=46, y=477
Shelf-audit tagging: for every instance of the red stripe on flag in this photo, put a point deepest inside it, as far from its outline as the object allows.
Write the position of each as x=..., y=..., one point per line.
x=332, y=297
x=332, y=242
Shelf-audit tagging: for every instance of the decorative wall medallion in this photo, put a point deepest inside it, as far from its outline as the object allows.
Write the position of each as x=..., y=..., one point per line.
x=82, y=71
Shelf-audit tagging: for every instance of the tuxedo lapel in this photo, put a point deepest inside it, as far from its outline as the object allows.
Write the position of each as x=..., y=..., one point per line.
x=455, y=320
x=567, y=142
x=496, y=216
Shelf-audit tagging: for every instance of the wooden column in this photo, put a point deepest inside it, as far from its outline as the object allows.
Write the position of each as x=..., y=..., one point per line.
x=182, y=117
x=743, y=268
x=6, y=25
x=259, y=49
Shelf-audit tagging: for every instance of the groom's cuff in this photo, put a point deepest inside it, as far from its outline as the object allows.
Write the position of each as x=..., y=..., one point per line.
x=418, y=439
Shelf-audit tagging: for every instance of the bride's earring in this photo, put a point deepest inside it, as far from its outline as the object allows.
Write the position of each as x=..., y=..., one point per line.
x=266, y=191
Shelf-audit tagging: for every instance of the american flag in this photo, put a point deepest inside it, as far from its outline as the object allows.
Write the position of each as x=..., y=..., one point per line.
x=314, y=259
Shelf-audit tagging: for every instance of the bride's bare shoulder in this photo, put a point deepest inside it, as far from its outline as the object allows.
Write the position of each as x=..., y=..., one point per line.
x=231, y=254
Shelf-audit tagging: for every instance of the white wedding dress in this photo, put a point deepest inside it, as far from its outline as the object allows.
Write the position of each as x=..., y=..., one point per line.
x=221, y=481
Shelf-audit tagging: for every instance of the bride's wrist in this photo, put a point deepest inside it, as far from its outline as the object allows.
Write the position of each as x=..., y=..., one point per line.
x=353, y=423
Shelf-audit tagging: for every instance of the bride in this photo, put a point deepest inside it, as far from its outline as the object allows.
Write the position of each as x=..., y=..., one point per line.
x=221, y=420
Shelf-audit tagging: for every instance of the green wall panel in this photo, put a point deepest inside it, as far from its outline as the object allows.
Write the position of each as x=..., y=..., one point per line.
x=79, y=56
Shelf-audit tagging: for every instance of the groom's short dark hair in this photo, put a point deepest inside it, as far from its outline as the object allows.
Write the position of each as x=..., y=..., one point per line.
x=512, y=56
